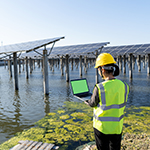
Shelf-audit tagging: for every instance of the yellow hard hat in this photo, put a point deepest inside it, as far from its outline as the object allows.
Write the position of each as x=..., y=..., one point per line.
x=104, y=59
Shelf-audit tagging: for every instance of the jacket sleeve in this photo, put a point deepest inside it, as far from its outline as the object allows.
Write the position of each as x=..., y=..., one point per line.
x=94, y=98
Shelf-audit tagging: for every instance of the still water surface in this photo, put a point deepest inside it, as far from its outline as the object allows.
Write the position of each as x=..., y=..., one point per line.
x=19, y=110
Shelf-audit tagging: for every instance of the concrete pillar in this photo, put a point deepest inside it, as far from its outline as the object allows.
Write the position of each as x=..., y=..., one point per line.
x=41, y=63
x=80, y=69
x=10, y=67
x=130, y=66
x=117, y=60
x=5, y=64
x=133, y=62
x=52, y=64
x=89, y=62
x=34, y=63
x=38, y=61
x=97, y=75
x=19, y=62
x=85, y=64
x=61, y=65
x=22, y=64
x=77, y=62
x=45, y=73
x=49, y=62
x=72, y=64
x=8, y=62
x=139, y=63
x=27, y=72
x=124, y=64
x=57, y=63
x=67, y=68
x=31, y=65
x=148, y=65
x=144, y=61
x=15, y=70
x=120, y=63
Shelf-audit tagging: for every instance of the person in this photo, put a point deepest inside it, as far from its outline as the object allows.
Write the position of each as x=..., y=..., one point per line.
x=109, y=99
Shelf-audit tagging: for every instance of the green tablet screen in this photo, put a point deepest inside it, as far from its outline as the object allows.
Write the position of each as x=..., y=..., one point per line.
x=79, y=86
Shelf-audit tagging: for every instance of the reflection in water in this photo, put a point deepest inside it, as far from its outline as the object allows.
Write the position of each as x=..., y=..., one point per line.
x=17, y=105
x=68, y=92
x=47, y=104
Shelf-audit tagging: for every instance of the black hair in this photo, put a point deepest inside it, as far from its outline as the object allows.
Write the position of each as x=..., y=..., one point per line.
x=111, y=68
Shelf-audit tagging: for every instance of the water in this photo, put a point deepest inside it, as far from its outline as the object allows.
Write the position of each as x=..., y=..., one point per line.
x=19, y=110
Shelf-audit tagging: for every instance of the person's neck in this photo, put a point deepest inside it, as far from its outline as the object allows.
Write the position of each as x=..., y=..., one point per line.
x=109, y=77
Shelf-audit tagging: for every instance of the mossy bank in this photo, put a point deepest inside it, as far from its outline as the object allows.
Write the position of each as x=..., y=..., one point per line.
x=72, y=126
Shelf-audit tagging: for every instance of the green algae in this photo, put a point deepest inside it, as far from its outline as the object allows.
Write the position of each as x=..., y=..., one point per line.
x=137, y=120
x=72, y=125
x=60, y=111
x=64, y=117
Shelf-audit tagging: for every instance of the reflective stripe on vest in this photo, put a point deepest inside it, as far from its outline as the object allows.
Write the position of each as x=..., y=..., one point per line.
x=104, y=107
x=109, y=118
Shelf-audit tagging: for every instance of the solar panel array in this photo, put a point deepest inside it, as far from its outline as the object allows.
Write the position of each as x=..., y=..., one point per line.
x=27, y=46
x=127, y=49
x=78, y=49
x=89, y=48
x=71, y=50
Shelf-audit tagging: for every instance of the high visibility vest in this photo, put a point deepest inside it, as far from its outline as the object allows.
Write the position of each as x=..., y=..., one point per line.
x=109, y=113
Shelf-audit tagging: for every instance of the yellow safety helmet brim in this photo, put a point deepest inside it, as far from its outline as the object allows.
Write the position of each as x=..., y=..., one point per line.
x=104, y=59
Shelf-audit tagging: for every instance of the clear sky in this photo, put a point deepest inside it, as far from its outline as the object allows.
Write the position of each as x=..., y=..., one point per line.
x=120, y=22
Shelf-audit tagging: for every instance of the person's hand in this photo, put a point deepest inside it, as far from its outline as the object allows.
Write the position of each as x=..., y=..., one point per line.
x=86, y=102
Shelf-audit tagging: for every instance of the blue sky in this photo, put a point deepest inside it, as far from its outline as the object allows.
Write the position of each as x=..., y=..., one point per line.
x=120, y=22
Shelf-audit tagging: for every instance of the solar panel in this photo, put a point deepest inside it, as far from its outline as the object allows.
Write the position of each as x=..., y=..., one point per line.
x=105, y=50
x=128, y=46
x=139, y=50
x=137, y=46
x=145, y=45
x=114, y=52
x=147, y=50
x=78, y=49
x=27, y=46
